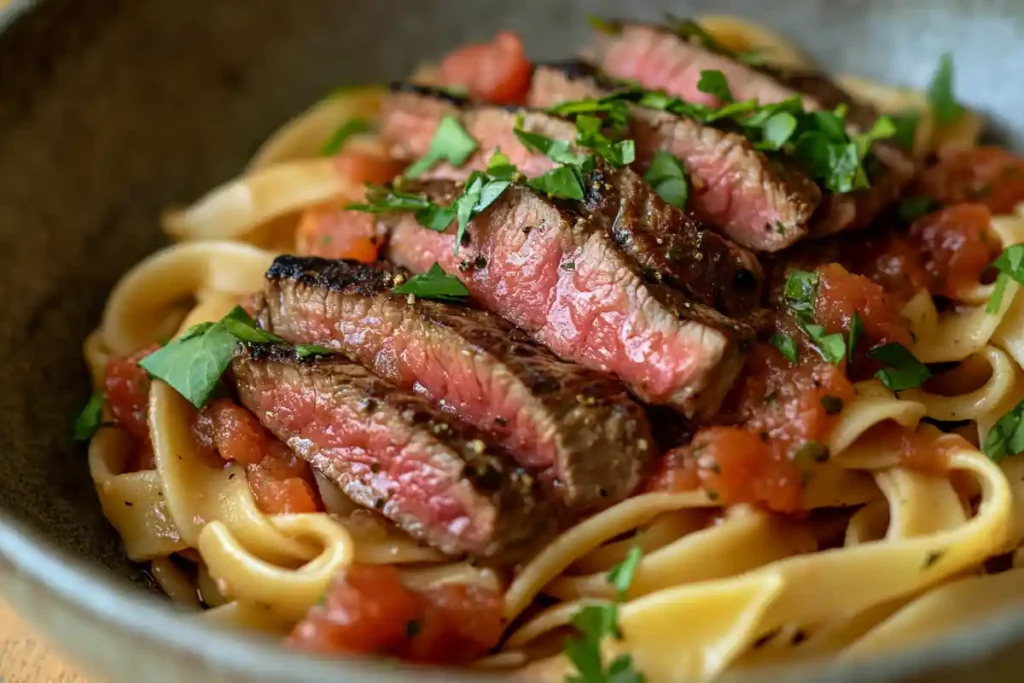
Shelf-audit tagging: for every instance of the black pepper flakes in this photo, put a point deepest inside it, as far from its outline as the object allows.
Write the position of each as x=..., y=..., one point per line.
x=480, y=262
x=375, y=467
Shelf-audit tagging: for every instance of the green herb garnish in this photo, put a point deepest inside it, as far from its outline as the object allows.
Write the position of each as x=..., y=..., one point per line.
x=714, y=83
x=856, y=332
x=1006, y=437
x=833, y=405
x=831, y=347
x=912, y=208
x=307, y=350
x=346, y=130
x=667, y=177
x=903, y=371
x=389, y=200
x=1010, y=264
x=450, y=143
x=786, y=346
x=192, y=365
x=940, y=93
x=478, y=193
x=604, y=26
x=433, y=284
x=800, y=293
x=90, y=419
x=906, y=123
x=621, y=574
x=240, y=324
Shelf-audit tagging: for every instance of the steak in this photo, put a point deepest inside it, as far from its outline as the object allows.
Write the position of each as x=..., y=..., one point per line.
x=435, y=477
x=662, y=239
x=657, y=57
x=576, y=430
x=762, y=203
x=552, y=268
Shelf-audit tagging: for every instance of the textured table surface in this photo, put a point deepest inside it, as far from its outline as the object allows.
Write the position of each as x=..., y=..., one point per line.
x=24, y=656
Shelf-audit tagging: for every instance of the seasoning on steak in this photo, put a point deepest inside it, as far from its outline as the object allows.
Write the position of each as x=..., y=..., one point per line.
x=662, y=239
x=576, y=430
x=659, y=58
x=762, y=203
x=552, y=269
x=391, y=450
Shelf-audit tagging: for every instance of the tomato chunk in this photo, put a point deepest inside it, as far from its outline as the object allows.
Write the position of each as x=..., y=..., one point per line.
x=332, y=232
x=991, y=176
x=367, y=610
x=958, y=245
x=127, y=388
x=892, y=260
x=496, y=72
x=280, y=481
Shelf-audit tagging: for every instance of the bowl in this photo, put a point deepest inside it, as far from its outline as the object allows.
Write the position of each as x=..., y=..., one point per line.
x=113, y=110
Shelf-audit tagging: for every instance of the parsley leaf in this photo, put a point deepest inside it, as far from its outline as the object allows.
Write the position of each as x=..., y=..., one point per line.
x=912, y=208
x=89, y=420
x=904, y=370
x=346, y=130
x=831, y=347
x=714, y=83
x=478, y=193
x=1006, y=437
x=602, y=25
x=389, y=200
x=564, y=182
x=589, y=135
x=882, y=129
x=556, y=150
x=940, y=93
x=1009, y=264
x=667, y=177
x=800, y=293
x=856, y=332
x=906, y=128
x=307, y=350
x=499, y=166
x=777, y=131
x=786, y=346
x=433, y=284
x=240, y=324
x=450, y=143
x=801, y=290
x=193, y=364
x=621, y=575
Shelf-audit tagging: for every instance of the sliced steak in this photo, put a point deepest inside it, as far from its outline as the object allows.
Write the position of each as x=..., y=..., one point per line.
x=411, y=113
x=762, y=203
x=670, y=247
x=394, y=451
x=657, y=57
x=578, y=431
x=552, y=269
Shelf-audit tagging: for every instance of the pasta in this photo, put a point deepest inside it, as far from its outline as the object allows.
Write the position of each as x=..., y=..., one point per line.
x=882, y=551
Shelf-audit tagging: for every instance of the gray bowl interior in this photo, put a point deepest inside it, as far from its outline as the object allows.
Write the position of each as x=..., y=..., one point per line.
x=110, y=111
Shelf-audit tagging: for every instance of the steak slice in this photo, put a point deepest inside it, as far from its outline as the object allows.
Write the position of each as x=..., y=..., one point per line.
x=393, y=451
x=578, y=431
x=667, y=243
x=552, y=269
x=657, y=57
x=762, y=203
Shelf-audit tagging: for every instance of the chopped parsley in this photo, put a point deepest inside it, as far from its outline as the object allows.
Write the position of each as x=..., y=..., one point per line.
x=940, y=93
x=603, y=25
x=931, y=558
x=390, y=200
x=856, y=332
x=833, y=405
x=786, y=346
x=912, y=208
x=714, y=83
x=90, y=419
x=337, y=141
x=600, y=621
x=307, y=350
x=667, y=177
x=906, y=123
x=1006, y=437
x=450, y=143
x=800, y=293
x=903, y=370
x=193, y=364
x=479, y=192
x=433, y=284
x=1010, y=264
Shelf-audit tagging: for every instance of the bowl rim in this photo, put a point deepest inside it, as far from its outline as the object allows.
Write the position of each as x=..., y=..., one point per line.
x=82, y=586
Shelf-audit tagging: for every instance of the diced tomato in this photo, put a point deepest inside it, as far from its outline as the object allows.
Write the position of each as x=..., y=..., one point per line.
x=991, y=176
x=788, y=412
x=332, y=232
x=497, y=72
x=892, y=260
x=127, y=388
x=280, y=481
x=368, y=610
x=841, y=294
x=367, y=165
x=958, y=245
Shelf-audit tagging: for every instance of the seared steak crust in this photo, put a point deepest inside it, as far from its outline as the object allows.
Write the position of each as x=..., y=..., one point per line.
x=552, y=269
x=578, y=431
x=437, y=478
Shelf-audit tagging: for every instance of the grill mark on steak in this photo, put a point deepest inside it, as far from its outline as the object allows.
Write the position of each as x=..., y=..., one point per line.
x=761, y=202
x=662, y=239
x=578, y=431
x=435, y=477
x=553, y=270
x=656, y=57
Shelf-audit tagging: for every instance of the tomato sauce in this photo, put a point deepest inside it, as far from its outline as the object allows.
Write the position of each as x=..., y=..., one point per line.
x=922, y=450
x=957, y=245
x=127, y=388
x=496, y=72
x=280, y=481
x=985, y=175
x=368, y=611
